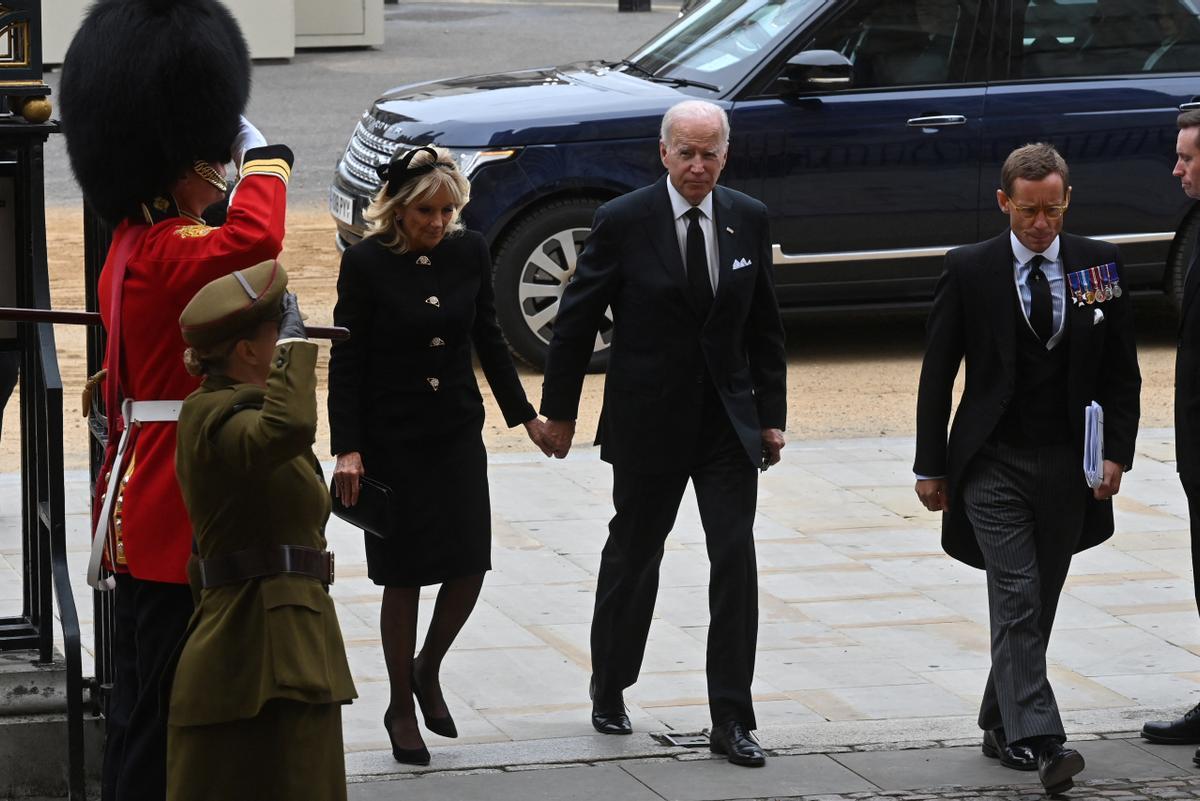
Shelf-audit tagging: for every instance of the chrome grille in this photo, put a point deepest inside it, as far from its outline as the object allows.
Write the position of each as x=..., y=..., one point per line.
x=364, y=152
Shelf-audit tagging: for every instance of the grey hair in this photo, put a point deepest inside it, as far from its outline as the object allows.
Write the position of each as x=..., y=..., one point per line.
x=693, y=109
x=380, y=216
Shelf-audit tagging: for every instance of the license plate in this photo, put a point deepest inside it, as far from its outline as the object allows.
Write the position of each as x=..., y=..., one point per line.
x=341, y=206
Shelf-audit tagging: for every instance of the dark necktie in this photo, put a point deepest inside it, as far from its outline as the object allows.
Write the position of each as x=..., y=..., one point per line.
x=697, y=264
x=1041, y=310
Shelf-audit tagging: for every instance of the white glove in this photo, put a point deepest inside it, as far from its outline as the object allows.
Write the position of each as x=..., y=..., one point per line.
x=248, y=137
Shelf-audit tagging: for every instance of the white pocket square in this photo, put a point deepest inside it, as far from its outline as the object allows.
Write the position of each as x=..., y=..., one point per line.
x=1098, y=317
x=740, y=263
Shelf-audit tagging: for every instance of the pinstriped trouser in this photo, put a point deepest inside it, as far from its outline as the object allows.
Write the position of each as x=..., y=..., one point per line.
x=1027, y=508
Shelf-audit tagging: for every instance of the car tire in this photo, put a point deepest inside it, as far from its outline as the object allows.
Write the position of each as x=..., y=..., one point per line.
x=534, y=262
x=1181, y=256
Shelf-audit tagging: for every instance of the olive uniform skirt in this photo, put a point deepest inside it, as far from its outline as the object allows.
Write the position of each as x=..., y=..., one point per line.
x=290, y=751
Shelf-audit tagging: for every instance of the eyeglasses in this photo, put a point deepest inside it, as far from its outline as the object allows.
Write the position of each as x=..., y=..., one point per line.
x=1031, y=212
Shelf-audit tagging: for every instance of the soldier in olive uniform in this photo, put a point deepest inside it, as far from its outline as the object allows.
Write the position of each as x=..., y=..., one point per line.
x=255, y=706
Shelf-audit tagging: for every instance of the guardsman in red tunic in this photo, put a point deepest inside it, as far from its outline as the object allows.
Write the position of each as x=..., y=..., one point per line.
x=152, y=93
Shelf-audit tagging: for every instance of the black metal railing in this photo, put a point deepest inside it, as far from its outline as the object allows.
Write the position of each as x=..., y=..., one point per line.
x=46, y=579
x=97, y=236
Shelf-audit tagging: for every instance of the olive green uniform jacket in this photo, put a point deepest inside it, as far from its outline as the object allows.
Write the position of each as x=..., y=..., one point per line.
x=249, y=478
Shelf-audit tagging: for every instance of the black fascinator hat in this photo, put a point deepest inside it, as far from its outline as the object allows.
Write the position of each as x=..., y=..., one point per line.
x=399, y=171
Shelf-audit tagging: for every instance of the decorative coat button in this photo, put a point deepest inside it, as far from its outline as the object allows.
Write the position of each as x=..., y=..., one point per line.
x=437, y=342
x=424, y=261
x=434, y=383
x=279, y=362
x=432, y=300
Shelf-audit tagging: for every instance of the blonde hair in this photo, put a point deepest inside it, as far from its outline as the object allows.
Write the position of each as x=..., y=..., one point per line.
x=381, y=214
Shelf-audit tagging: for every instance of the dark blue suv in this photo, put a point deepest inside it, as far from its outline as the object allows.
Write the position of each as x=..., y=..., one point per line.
x=874, y=131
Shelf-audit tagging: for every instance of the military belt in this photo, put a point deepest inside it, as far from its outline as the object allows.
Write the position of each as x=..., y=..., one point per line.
x=261, y=562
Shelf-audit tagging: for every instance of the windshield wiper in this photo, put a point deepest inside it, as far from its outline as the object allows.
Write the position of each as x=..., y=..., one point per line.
x=632, y=65
x=683, y=82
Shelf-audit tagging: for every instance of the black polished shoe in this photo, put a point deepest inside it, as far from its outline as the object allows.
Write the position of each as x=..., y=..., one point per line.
x=1017, y=757
x=735, y=742
x=443, y=725
x=1056, y=766
x=407, y=756
x=608, y=715
x=1181, y=731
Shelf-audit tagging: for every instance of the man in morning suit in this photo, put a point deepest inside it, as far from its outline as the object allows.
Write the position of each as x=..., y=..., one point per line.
x=1186, y=729
x=695, y=390
x=1045, y=326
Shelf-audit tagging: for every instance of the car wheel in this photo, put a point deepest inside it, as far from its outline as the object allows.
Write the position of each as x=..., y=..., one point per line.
x=1181, y=257
x=533, y=265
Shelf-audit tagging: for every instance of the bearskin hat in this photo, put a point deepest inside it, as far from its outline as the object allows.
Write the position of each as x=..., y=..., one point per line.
x=148, y=87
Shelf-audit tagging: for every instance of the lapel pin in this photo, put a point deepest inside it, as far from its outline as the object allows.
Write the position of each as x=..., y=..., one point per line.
x=730, y=230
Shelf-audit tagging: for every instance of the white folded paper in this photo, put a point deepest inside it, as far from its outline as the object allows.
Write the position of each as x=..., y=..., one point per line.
x=1093, y=444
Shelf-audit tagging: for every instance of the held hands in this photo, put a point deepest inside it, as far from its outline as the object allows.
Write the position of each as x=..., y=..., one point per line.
x=291, y=324
x=559, y=434
x=933, y=494
x=346, y=473
x=536, y=429
x=772, y=442
x=1111, y=484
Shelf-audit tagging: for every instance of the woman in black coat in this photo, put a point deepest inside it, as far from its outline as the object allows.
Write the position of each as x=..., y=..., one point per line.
x=405, y=409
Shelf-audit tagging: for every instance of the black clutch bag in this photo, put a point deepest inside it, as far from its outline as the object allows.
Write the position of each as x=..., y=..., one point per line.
x=375, y=511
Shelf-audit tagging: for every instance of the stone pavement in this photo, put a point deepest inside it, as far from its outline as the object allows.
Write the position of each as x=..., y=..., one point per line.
x=920, y=774
x=870, y=637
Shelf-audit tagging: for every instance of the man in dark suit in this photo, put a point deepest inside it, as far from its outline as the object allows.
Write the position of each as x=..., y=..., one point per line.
x=1045, y=326
x=695, y=390
x=1186, y=729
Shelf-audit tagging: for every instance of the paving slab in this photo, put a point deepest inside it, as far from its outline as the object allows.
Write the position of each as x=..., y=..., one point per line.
x=715, y=780
x=562, y=784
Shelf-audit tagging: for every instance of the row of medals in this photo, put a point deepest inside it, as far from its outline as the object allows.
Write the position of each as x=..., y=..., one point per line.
x=1095, y=284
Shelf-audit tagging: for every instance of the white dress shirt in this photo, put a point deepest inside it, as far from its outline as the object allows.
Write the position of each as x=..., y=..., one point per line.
x=680, y=207
x=1053, y=269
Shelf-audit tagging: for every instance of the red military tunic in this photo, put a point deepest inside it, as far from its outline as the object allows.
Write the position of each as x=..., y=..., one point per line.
x=178, y=256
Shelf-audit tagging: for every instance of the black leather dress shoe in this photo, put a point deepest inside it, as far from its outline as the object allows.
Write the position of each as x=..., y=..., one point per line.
x=1056, y=766
x=1017, y=757
x=734, y=741
x=1181, y=731
x=608, y=714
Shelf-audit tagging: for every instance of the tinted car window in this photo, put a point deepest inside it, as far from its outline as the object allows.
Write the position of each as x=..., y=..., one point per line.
x=901, y=43
x=1070, y=38
x=720, y=42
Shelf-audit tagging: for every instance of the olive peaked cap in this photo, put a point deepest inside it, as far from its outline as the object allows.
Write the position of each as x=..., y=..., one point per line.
x=229, y=306
x=148, y=87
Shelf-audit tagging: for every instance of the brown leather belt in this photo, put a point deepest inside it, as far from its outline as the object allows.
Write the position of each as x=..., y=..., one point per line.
x=270, y=561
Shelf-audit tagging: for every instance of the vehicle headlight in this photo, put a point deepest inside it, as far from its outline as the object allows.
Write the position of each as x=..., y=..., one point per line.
x=469, y=161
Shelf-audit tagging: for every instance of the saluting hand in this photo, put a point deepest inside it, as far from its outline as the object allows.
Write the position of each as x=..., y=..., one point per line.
x=346, y=473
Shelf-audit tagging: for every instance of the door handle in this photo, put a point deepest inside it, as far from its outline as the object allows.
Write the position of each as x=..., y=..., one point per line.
x=1192, y=106
x=938, y=121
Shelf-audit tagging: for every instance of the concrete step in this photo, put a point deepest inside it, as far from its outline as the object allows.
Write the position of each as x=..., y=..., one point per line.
x=33, y=729
x=28, y=687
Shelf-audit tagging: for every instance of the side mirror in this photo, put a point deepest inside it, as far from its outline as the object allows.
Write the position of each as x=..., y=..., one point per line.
x=816, y=70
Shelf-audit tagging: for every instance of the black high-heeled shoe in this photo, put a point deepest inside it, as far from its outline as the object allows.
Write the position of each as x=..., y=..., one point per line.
x=444, y=725
x=406, y=756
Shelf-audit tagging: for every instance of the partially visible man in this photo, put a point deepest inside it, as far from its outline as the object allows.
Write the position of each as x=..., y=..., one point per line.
x=1045, y=326
x=695, y=390
x=1186, y=730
